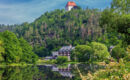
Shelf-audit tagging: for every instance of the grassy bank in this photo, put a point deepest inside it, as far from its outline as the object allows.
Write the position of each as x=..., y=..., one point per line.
x=53, y=62
x=15, y=64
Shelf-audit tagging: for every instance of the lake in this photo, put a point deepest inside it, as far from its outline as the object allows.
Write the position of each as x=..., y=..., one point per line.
x=47, y=72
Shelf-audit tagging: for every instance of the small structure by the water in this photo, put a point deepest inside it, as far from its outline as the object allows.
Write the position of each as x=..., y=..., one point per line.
x=48, y=58
x=110, y=48
x=55, y=54
x=64, y=51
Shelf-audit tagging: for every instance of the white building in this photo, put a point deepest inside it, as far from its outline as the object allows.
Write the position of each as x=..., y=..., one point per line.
x=48, y=58
x=70, y=5
x=55, y=54
x=64, y=51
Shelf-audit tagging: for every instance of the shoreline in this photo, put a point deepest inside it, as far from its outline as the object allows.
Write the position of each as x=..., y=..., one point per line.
x=15, y=64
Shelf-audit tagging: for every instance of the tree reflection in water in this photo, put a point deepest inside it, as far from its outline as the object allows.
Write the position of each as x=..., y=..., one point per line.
x=47, y=72
x=43, y=72
x=18, y=73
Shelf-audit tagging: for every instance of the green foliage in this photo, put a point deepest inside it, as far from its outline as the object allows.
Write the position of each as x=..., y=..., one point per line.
x=13, y=51
x=118, y=52
x=100, y=51
x=61, y=59
x=120, y=6
x=82, y=53
x=16, y=50
x=41, y=51
x=28, y=55
x=92, y=52
x=2, y=51
x=110, y=39
x=1, y=48
x=117, y=19
x=127, y=57
x=113, y=72
x=18, y=73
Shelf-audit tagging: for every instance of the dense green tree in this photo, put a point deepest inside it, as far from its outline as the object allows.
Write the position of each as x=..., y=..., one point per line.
x=28, y=55
x=82, y=53
x=100, y=51
x=117, y=19
x=41, y=51
x=118, y=52
x=92, y=52
x=14, y=50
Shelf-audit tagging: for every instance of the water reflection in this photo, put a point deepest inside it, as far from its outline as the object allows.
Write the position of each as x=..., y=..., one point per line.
x=64, y=70
x=57, y=72
x=47, y=72
x=89, y=68
x=18, y=73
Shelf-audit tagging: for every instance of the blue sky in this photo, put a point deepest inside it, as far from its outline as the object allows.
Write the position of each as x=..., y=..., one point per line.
x=19, y=11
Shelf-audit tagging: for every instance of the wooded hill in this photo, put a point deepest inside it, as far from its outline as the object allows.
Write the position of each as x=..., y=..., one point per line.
x=58, y=28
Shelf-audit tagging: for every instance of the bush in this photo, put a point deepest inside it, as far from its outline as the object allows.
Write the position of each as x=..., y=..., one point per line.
x=107, y=61
x=92, y=52
x=118, y=52
x=127, y=57
x=61, y=59
x=82, y=53
x=100, y=52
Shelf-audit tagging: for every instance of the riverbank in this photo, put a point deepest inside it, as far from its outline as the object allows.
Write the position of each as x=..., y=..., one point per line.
x=42, y=62
x=39, y=62
x=15, y=64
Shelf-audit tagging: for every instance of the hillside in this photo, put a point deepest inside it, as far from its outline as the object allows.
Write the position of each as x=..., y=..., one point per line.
x=58, y=28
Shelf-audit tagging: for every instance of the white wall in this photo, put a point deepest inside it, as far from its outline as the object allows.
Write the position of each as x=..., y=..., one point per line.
x=69, y=8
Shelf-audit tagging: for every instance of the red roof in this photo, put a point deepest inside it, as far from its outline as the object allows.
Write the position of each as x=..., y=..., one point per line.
x=71, y=3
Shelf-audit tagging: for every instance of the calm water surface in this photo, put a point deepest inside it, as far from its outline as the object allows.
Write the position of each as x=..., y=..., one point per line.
x=47, y=72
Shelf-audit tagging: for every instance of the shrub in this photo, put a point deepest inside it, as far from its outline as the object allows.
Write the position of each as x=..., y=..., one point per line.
x=107, y=61
x=82, y=53
x=61, y=59
x=118, y=52
x=100, y=52
x=92, y=52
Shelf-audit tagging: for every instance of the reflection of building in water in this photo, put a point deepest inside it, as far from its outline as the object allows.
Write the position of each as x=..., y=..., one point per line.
x=66, y=74
x=64, y=71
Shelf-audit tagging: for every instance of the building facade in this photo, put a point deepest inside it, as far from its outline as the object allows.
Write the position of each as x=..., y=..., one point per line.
x=70, y=5
x=64, y=51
